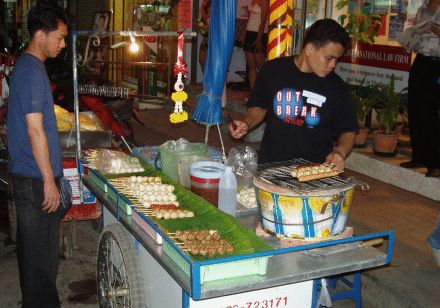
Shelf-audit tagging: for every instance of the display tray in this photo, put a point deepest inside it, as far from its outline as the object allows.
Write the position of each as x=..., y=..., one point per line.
x=206, y=216
x=139, y=219
x=212, y=272
x=102, y=184
x=89, y=139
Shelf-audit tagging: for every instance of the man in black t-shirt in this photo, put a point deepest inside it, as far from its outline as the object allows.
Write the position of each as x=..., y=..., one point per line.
x=305, y=104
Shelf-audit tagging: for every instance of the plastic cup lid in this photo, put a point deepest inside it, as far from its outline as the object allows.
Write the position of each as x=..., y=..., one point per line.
x=206, y=169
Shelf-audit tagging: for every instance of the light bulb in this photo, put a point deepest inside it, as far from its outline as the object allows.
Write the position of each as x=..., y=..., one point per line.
x=134, y=46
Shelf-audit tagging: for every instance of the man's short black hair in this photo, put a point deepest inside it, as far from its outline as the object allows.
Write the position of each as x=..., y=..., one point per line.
x=45, y=17
x=326, y=31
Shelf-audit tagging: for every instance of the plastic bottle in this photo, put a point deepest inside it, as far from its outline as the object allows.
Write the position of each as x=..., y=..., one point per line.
x=227, y=192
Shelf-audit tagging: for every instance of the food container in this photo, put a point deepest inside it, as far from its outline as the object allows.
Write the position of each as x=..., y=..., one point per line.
x=171, y=151
x=205, y=178
x=183, y=165
x=314, y=209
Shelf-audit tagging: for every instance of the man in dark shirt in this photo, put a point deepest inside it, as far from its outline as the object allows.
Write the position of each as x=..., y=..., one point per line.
x=35, y=161
x=304, y=102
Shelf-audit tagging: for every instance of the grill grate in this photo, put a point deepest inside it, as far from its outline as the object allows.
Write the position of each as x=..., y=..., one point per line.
x=278, y=173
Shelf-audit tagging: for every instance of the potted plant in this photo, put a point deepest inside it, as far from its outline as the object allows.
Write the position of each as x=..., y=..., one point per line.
x=388, y=110
x=363, y=98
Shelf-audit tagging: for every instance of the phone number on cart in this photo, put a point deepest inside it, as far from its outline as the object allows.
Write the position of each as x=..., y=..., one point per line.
x=265, y=303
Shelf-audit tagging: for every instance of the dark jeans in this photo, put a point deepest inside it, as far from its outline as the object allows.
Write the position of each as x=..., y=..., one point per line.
x=37, y=244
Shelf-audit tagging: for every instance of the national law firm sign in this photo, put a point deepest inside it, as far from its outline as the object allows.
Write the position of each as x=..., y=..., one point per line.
x=375, y=63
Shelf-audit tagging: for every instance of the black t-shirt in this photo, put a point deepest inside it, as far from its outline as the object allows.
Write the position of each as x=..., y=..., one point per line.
x=304, y=111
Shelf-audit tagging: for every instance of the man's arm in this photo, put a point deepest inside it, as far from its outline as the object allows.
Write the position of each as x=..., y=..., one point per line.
x=40, y=150
x=343, y=147
x=254, y=116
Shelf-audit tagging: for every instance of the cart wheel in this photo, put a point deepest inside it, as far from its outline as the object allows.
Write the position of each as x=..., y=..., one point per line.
x=67, y=247
x=119, y=280
x=12, y=213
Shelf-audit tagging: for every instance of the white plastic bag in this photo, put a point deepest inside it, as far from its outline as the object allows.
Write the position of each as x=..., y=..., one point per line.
x=244, y=162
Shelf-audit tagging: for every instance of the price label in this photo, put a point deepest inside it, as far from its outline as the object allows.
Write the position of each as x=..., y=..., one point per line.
x=298, y=295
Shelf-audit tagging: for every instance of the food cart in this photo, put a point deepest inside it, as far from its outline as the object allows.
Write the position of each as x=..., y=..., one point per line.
x=139, y=263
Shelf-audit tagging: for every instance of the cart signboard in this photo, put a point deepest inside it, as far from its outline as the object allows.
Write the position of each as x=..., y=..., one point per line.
x=297, y=295
x=71, y=173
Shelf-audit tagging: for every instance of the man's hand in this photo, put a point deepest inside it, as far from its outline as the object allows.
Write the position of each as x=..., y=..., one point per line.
x=343, y=147
x=335, y=158
x=238, y=128
x=51, y=196
x=254, y=116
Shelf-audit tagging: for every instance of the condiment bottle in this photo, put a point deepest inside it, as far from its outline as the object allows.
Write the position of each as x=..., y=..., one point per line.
x=227, y=195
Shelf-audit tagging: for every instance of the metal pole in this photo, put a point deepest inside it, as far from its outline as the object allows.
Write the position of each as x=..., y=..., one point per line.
x=76, y=106
x=134, y=33
x=207, y=133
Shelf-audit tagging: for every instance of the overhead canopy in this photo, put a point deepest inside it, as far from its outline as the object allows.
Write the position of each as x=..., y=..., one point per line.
x=220, y=45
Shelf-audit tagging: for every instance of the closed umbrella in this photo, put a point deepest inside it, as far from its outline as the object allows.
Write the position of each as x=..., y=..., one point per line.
x=220, y=44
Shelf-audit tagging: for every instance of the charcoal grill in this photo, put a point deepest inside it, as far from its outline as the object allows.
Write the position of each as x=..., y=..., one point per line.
x=313, y=209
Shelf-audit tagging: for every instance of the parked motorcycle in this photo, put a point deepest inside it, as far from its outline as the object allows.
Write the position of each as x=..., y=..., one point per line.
x=115, y=114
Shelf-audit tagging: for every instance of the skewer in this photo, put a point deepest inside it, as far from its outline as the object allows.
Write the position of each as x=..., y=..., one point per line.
x=121, y=178
x=149, y=214
x=117, y=185
x=144, y=211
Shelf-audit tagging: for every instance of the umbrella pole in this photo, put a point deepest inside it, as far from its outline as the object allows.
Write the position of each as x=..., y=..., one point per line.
x=207, y=134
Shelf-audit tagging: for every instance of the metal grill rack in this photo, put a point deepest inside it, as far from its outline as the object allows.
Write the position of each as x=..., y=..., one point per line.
x=279, y=173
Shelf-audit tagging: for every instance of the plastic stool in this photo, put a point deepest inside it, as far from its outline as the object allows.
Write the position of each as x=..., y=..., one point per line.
x=353, y=293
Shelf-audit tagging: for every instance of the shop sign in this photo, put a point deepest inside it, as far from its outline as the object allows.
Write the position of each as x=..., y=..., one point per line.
x=184, y=14
x=297, y=295
x=375, y=63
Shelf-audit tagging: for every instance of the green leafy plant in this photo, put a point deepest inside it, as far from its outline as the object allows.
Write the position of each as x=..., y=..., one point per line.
x=361, y=26
x=363, y=98
x=389, y=105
